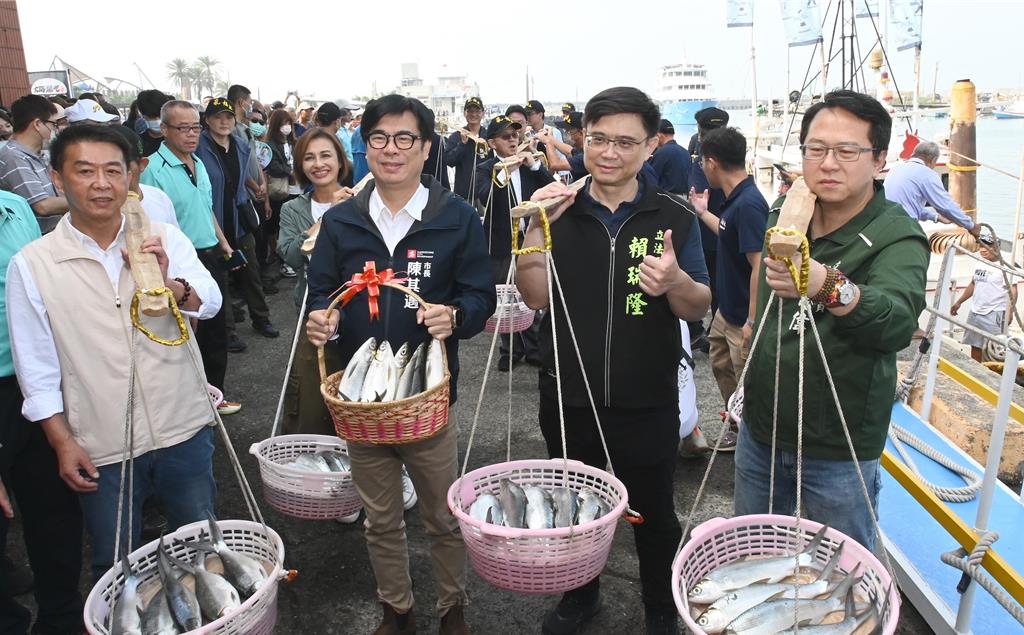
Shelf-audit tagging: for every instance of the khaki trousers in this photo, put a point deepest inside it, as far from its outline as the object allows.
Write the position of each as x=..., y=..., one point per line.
x=304, y=408
x=727, y=353
x=433, y=466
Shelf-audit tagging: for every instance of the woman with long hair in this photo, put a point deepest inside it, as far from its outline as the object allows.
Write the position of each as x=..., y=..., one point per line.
x=281, y=184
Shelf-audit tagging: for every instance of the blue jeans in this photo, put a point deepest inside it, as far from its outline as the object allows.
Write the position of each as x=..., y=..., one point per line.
x=181, y=478
x=831, y=490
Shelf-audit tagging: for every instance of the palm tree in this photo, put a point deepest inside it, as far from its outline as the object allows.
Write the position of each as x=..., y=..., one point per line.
x=221, y=89
x=209, y=65
x=197, y=77
x=178, y=71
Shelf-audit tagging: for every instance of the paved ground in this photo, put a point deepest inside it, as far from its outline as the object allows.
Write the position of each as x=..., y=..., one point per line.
x=334, y=592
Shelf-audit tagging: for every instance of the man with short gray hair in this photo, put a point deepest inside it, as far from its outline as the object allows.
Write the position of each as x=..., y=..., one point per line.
x=915, y=184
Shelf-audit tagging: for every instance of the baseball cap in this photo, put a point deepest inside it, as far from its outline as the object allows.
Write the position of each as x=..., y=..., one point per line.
x=328, y=112
x=218, y=105
x=305, y=106
x=568, y=107
x=666, y=127
x=571, y=120
x=87, y=110
x=711, y=117
x=498, y=125
x=473, y=102
x=534, y=105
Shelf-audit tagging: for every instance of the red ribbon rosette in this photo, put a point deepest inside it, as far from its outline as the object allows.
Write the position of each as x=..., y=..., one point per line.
x=371, y=281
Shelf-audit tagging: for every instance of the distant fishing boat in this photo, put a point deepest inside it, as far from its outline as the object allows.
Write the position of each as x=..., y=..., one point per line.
x=1013, y=111
x=684, y=90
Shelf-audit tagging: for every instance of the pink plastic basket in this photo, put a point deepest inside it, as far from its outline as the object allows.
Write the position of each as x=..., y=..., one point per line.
x=300, y=493
x=720, y=541
x=256, y=616
x=538, y=561
x=512, y=314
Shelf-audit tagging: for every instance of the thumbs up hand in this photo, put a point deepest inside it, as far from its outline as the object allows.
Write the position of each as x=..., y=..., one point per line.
x=658, y=274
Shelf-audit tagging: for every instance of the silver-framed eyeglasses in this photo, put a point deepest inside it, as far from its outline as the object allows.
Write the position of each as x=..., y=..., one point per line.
x=846, y=152
x=380, y=140
x=623, y=145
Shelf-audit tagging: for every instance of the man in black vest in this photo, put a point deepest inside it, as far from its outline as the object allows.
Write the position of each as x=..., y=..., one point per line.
x=499, y=190
x=631, y=266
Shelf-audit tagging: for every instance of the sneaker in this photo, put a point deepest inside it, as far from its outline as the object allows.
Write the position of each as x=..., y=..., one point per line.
x=572, y=612
x=409, y=497
x=287, y=272
x=236, y=345
x=266, y=329
x=228, y=408
x=693, y=445
x=454, y=622
x=395, y=623
x=351, y=518
x=661, y=620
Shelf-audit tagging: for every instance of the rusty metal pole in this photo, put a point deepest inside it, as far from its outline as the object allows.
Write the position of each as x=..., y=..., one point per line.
x=963, y=173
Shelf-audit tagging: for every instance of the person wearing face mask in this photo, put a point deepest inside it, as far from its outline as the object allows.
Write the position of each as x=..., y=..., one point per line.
x=281, y=139
x=23, y=171
x=147, y=126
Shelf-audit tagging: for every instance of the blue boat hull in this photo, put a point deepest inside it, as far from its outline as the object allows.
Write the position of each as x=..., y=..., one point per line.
x=681, y=113
x=1002, y=114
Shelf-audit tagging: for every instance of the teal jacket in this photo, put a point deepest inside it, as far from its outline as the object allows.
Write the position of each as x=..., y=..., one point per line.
x=885, y=253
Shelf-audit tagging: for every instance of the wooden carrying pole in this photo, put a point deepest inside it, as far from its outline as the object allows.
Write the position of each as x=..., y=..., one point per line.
x=796, y=214
x=529, y=208
x=145, y=269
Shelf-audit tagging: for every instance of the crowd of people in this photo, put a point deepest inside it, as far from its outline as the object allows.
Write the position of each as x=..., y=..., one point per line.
x=658, y=236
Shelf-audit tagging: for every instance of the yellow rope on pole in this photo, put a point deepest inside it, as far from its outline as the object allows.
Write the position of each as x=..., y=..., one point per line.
x=799, y=278
x=545, y=226
x=137, y=322
x=494, y=176
x=962, y=168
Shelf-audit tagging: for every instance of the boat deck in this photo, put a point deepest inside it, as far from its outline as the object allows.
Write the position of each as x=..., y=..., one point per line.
x=914, y=539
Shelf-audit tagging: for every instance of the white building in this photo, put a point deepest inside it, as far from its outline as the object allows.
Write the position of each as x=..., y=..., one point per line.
x=445, y=97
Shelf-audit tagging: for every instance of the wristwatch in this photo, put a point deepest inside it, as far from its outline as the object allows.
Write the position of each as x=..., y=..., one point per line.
x=836, y=291
x=457, y=317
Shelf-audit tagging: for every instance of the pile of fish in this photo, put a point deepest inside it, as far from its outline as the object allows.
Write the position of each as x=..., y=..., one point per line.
x=375, y=373
x=177, y=608
x=322, y=461
x=759, y=596
x=533, y=507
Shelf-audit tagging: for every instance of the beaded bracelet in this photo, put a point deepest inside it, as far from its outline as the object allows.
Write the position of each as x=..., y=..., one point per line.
x=188, y=290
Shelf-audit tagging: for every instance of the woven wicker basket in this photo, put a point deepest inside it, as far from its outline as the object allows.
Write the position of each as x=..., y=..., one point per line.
x=388, y=422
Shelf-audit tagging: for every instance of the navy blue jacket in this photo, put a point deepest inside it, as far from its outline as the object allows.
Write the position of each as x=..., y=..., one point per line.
x=445, y=255
x=463, y=157
x=434, y=166
x=207, y=153
x=497, y=217
x=671, y=162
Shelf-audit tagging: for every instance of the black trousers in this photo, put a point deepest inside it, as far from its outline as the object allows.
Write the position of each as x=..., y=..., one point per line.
x=211, y=334
x=51, y=521
x=526, y=342
x=249, y=284
x=636, y=440
x=697, y=327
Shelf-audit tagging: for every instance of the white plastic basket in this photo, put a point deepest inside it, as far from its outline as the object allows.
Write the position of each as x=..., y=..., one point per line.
x=256, y=616
x=301, y=493
x=512, y=315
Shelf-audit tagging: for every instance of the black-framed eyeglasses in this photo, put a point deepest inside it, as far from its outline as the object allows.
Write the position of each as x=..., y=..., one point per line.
x=380, y=140
x=623, y=145
x=186, y=129
x=846, y=152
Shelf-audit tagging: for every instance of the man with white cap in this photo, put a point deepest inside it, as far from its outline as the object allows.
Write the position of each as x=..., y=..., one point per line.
x=88, y=111
x=305, y=119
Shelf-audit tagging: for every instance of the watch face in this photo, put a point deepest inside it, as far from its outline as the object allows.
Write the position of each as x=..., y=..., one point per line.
x=846, y=293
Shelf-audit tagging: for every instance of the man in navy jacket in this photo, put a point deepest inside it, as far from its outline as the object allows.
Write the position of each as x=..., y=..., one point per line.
x=463, y=153
x=409, y=223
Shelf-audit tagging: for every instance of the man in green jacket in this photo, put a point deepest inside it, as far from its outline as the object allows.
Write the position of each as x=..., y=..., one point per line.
x=866, y=284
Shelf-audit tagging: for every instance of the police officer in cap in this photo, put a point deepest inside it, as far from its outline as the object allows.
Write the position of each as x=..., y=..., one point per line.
x=463, y=153
x=569, y=157
x=671, y=162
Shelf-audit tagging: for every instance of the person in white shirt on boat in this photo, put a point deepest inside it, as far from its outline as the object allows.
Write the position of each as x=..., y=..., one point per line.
x=990, y=297
x=916, y=186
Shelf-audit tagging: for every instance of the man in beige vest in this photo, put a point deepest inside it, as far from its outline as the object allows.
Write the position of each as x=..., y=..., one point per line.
x=68, y=299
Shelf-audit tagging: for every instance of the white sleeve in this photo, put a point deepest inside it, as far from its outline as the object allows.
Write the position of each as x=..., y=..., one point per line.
x=32, y=346
x=183, y=262
x=158, y=205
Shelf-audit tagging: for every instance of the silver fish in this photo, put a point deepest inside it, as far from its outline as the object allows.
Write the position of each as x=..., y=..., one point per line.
x=310, y=463
x=127, y=613
x=337, y=461
x=739, y=574
x=487, y=508
x=157, y=618
x=540, y=508
x=401, y=358
x=591, y=506
x=419, y=378
x=351, y=385
x=852, y=622
x=245, y=574
x=513, y=504
x=777, y=615
x=216, y=596
x=378, y=376
x=183, y=602
x=435, y=364
x=408, y=376
x=727, y=608
x=566, y=506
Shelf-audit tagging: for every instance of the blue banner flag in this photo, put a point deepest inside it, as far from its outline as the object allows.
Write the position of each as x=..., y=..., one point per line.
x=801, y=21
x=866, y=8
x=739, y=13
x=905, y=21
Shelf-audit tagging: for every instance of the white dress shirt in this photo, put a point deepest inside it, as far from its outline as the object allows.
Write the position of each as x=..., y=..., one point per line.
x=394, y=226
x=35, y=353
x=158, y=206
x=517, y=181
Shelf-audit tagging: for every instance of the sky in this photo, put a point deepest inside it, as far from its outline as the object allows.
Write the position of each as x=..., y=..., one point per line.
x=572, y=48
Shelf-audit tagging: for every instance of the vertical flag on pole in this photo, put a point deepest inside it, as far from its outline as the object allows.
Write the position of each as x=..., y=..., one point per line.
x=905, y=21
x=739, y=13
x=802, y=22
x=866, y=9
